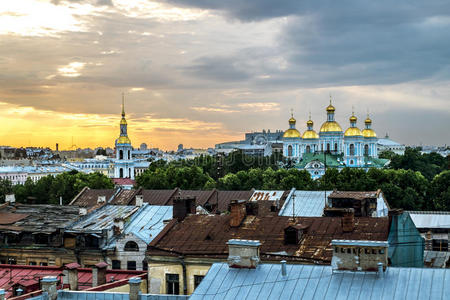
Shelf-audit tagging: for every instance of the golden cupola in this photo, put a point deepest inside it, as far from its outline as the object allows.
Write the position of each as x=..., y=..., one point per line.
x=310, y=133
x=330, y=125
x=368, y=132
x=123, y=138
x=353, y=131
x=292, y=132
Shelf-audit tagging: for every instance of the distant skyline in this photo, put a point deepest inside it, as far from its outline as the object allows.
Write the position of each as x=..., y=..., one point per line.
x=204, y=72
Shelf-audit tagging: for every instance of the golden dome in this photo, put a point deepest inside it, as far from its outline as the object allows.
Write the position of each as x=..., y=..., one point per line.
x=310, y=134
x=292, y=121
x=330, y=108
x=123, y=140
x=292, y=133
x=368, y=121
x=123, y=121
x=353, y=131
x=330, y=127
x=310, y=123
x=369, y=133
x=353, y=118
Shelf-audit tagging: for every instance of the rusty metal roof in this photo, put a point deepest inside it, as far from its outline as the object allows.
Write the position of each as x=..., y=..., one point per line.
x=124, y=197
x=40, y=218
x=206, y=235
x=11, y=218
x=359, y=195
x=159, y=197
x=89, y=197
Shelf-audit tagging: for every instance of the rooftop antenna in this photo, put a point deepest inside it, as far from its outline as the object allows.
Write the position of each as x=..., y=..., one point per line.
x=293, y=206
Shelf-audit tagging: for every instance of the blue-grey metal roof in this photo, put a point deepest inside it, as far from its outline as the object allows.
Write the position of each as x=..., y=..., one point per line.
x=80, y=295
x=319, y=282
x=431, y=219
x=102, y=218
x=147, y=223
x=244, y=242
x=360, y=243
x=307, y=204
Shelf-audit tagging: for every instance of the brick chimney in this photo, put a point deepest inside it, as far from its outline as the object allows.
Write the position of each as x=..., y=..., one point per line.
x=139, y=200
x=135, y=288
x=429, y=240
x=118, y=226
x=99, y=274
x=182, y=206
x=359, y=255
x=348, y=220
x=72, y=270
x=48, y=284
x=237, y=212
x=243, y=253
x=101, y=199
x=82, y=211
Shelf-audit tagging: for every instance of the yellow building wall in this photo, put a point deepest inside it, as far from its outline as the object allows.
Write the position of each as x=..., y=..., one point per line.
x=126, y=288
x=157, y=276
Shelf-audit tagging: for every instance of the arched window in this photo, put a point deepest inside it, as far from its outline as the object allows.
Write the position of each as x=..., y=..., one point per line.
x=129, y=154
x=129, y=173
x=308, y=149
x=120, y=154
x=352, y=149
x=366, y=149
x=121, y=173
x=328, y=147
x=335, y=147
x=289, y=150
x=351, y=161
x=131, y=246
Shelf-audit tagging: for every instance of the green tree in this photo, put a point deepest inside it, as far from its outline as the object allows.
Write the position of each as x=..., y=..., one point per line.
x=440, y=191
x=5, y=188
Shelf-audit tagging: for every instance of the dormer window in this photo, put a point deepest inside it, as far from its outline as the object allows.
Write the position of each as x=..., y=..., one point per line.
x=293, y=234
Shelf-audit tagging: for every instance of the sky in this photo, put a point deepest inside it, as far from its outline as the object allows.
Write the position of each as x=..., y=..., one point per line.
x=201, y=72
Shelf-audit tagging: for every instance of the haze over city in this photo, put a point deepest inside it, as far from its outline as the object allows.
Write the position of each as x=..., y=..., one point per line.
x=201, y=72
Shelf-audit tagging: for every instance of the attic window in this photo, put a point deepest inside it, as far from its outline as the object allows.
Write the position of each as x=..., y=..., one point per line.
x=208, y=238
x=131, y=246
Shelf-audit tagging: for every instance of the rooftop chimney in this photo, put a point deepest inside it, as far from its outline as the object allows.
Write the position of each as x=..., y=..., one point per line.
x=101, y=199
x=182, y=206
x=118, y=226
x=82, y=211
x=135, y=288
x=243, y=253
x=99, y=274
x=72, y=269
x=237, y=212
x=359, y=255
x=49, y=286
x=283, y=268
x=11, y=199
x=139, y=200
x=348, y=220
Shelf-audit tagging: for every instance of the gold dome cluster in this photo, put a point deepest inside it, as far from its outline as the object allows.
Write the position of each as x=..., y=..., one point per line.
x=292, y=133
x=330, y=126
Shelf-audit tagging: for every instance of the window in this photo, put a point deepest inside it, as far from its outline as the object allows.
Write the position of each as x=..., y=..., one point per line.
x=349, y=250
x=121, y=173
x=131, y=246
x=172, y=284
x=197, y=280
x=32, y=263
x=440, y=245
x=44, y=264
x=381, y=251
x=308, y=149
x=116, y=264
x=12, y=261
x=129, y=155
x=289, y=150
x=336, y=249
x=144, y=265
x=351, y=161
x=335, y=147
x=366, y=150
x=120, y=154
x=41, y=239
x=352, y=149
x=328, y=147
x=131, y=265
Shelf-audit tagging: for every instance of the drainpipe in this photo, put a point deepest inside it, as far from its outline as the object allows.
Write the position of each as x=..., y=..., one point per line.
x=183, y=265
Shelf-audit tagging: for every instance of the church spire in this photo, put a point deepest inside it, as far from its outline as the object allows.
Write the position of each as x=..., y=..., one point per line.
x=123, y=105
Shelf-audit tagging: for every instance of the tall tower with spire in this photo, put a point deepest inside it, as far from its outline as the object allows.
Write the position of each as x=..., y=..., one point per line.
x=124, y=163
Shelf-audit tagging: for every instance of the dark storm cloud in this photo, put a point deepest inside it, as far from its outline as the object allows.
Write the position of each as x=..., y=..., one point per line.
x=345, y=42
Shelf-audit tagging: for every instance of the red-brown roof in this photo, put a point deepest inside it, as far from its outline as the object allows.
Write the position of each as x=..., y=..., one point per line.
x=11, y=218
x=123, y=181
x=89, y=197
x=29, y=276
x=206, y=236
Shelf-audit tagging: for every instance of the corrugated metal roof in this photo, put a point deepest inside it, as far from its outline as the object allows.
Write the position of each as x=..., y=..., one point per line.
x=148, y=222
x=431, y=219
x=436, y=259
x=102, y=218
x=319, y=282
x=307, y=204
x=266, y=195
x=89, y=197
